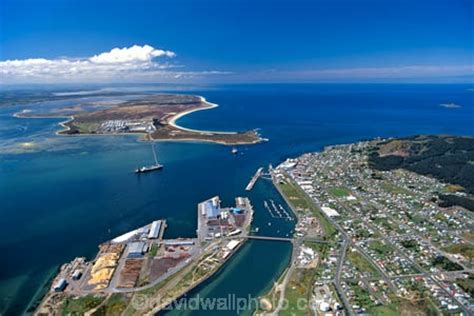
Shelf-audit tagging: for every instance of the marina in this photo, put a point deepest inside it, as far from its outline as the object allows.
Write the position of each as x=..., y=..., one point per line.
x=277, y=211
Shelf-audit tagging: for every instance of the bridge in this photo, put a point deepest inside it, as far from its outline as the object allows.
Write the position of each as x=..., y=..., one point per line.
x=286, y=239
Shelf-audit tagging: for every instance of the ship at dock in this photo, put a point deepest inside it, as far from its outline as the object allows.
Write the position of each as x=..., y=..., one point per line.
x=156, y=166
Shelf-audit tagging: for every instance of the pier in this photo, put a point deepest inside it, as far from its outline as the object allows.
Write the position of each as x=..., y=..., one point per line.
x=254, y=179
x=277, y=211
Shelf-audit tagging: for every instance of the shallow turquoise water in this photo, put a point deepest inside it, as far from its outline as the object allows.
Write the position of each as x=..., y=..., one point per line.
x=66, y=195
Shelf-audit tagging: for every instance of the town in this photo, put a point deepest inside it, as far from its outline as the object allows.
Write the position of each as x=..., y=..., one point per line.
x=387, y=247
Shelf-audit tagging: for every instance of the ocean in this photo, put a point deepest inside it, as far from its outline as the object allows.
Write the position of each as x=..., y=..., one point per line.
x=62, y=196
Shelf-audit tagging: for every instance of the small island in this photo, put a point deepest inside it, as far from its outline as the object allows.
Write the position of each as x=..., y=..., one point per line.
x=154, y=116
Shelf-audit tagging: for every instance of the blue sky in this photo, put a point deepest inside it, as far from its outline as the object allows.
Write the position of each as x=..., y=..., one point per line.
x=240, y=41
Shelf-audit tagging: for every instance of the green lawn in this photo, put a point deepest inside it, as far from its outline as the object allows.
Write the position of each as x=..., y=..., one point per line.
x=115, y=305
x=362, y=264
x=467, y=284
x=361, y=296
x=340, y=192
x=299, y=287
x=380, y=247
x=466, y=250
x=392, y=188
x=153, y=250
x=79, y=305
x=300, y=200
x=385, y=310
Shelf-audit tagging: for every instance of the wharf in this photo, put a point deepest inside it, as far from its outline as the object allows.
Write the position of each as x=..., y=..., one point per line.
x=254, y=179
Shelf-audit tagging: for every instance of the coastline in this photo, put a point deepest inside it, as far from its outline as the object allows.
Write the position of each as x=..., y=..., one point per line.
x=172, y=121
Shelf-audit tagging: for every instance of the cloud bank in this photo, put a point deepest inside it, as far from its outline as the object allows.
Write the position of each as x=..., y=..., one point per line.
x=135, y=63
x=149, y=64
x=404, y=73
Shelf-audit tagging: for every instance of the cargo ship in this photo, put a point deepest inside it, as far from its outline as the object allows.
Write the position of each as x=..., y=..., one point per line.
x=150, y=168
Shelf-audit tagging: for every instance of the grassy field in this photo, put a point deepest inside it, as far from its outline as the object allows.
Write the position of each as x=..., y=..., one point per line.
x=361, y=296
x=299, y=287
x=380, y=247
x=362, y=264
x=301, y=201
x=392, y=188
x=340, y=192
x=153, y=250
x=385, y=310
x=466, y=250
x=468, y=236
x=451, y=188
x=467, y=284
x=79, y=305
x=115, y=305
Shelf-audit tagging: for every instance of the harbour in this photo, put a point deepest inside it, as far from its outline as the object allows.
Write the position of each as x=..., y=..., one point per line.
x=141, y=259
x=96, y=199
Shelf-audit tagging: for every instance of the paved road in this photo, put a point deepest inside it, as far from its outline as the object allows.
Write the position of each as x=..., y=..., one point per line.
x=337, y=278
x=284, y=284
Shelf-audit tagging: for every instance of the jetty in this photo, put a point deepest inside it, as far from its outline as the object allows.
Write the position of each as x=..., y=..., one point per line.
x=254, y=179
x=277, y=211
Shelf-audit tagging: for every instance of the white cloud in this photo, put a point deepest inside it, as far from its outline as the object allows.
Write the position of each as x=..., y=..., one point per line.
x=132, y=54
x=450, y=105
x=135, y=63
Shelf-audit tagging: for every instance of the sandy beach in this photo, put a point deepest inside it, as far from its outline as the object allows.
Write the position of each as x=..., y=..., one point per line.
x=209, y=106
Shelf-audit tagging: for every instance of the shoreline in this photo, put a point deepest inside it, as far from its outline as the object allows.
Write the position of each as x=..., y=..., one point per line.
x=172, y=121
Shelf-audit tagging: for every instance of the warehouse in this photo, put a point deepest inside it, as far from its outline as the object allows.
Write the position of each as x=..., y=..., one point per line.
x=154, y=230
x=60, y=285
x=136, y=249
x=212, y=211
x=188, y=242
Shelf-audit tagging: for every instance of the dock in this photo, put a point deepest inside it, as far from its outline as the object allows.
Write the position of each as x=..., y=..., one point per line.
x=254, y=179
x=277, y=211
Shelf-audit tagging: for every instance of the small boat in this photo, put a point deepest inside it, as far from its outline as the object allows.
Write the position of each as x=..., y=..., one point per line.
x=234, y=151
x=150, y=168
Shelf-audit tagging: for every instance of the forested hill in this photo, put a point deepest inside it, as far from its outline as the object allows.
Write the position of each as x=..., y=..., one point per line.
x=447, y=158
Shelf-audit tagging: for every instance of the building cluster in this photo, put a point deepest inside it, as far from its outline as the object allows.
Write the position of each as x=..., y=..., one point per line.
x=308, y=226
x=215, y=221
x=307, y=258
x=395, y=225
x=323, y=300
x=126, y=126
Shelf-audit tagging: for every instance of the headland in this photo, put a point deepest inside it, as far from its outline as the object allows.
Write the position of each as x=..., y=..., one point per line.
x=154, y=116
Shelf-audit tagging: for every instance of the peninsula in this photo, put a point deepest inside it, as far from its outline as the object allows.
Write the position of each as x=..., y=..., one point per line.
x=154, y=116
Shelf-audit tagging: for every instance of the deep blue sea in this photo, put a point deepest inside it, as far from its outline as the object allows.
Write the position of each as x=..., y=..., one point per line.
x=62, y=196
